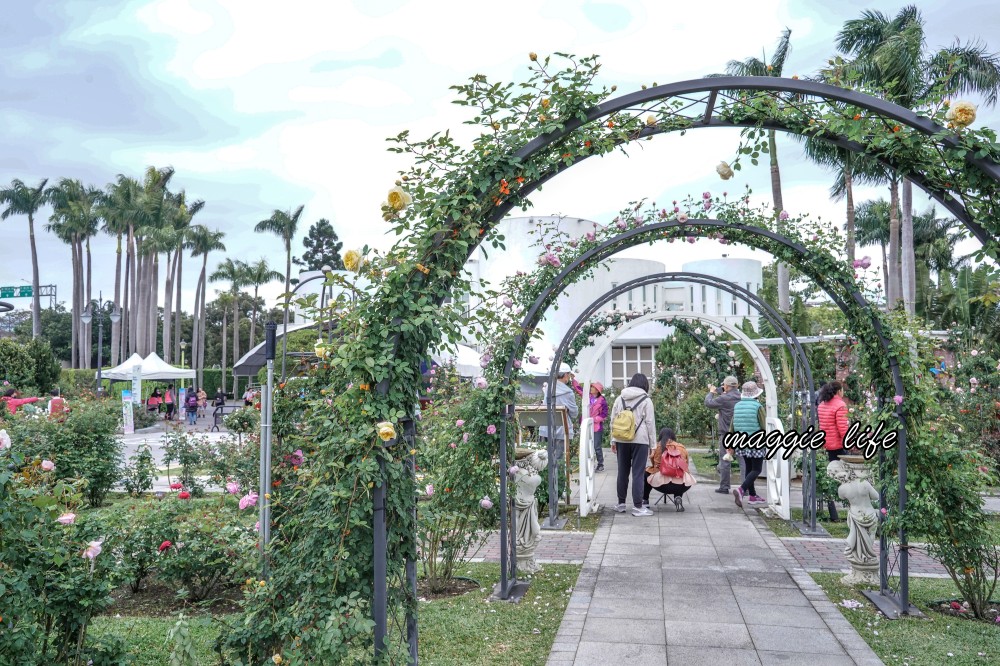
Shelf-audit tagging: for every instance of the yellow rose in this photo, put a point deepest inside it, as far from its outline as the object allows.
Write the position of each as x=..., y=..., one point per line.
x=724, y=170
x=352, y=260
x=386, y=431
x=399, y=199
x=651, y=120
x=961, y=113
x=533, y=56
x=277, y=659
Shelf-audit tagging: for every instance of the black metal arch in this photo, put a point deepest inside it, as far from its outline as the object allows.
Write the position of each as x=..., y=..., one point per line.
x=652, y=231
x=802, y=366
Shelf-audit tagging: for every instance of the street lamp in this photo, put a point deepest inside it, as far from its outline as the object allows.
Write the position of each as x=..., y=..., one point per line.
x=184, y=345
x=87, y=316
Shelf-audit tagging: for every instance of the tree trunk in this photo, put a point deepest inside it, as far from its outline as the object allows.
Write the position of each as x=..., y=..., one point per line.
x=784, y=301
x=116, y=328
x=168, y=302
x=97, y=312
x=177, y=306
x=36, y=299
x=894, y=290
x=849, y=190
x=154, y=300
x=126, y=305
x=139, y=308
x=204, y=322
x=224, y=331
x=908, y=273
x=196, y=338
x=288, y=274
x=75, y=322
x=885, y=274
x=236, y=328
x=253, y=317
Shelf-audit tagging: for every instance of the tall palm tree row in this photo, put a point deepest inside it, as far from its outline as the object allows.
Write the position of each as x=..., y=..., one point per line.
x=202, y=242
x=257, y=275
x=283, y=224
x=20, y=199
x=236, y=274
x=889, y=55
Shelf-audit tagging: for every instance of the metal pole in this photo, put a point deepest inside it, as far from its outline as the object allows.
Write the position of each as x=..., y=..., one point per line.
x=379, y=611
x=504, y=509
x=550, y=400
x=409, y=433
x=267, y=402
x=100, y=347
x=904, y=547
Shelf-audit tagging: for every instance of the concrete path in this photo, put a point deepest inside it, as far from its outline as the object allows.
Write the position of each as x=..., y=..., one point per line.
x=711, y=585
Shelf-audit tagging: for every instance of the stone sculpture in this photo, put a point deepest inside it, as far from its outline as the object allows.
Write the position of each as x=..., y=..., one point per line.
x=862, y=520
x=526, y=475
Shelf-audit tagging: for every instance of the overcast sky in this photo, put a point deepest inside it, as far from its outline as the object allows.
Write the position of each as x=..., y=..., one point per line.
x=261, y=105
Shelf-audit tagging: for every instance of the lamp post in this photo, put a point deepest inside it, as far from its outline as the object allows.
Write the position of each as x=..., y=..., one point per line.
x=184, y=345
x=87, y=316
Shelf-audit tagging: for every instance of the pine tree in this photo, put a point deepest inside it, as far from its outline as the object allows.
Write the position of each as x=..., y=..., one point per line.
x=322, y=248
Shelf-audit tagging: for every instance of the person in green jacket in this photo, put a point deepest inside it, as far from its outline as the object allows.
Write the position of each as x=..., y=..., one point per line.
x=749, y=418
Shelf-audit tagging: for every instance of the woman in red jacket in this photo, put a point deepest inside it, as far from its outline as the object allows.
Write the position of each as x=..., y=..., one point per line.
x=13, y=400
x=832, y=414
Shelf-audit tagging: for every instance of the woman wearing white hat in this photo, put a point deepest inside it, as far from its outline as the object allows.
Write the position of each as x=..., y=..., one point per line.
x=749, y=417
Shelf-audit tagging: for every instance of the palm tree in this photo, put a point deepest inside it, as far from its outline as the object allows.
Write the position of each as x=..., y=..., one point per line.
x=235, y=273
x=224, y=300
x=202, y=242
x=24, y=200
x=283, y=224
x=118, y=210
x=257, y=275
x=872, y=220
x=761, y=67
x=889, y=54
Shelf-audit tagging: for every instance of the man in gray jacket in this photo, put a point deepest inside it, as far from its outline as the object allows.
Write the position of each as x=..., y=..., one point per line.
x=564, y=397
x=724, y=404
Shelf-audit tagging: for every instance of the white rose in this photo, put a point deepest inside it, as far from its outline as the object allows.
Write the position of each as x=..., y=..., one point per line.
x=725, y=171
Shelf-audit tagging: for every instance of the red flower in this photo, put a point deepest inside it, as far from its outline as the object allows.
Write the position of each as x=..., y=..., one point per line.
x=176, y=486
x=183, y=495
x=165, y=545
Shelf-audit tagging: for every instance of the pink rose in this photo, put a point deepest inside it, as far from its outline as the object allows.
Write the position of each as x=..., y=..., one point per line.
x=465, y=437
x=486, y=503
x=67, y=519
x=491, y=429
x=706, y=195
x=507, y=302
x=429, y=490
x=248, y=500
x=707, y=205
x=48, y=465
x=622, y=224
x=533, y=360
x=866, y=262
x=184, y=495
x=856, y=264
x=682, y=218
x=459, y=423
x=783, y=215
x=591, y=236
x=453, y=445
x=517, y=364
x=233, y=488
x=480, y=382
x=93, y=549
x=555, y=262
x=677, y=209
x=898, y=399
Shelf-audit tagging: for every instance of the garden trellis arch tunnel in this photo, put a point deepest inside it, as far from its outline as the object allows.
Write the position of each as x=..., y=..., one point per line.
x=802, y=374
x=542, y=153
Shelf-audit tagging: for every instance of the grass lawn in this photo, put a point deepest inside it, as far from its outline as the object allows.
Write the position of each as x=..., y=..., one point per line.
x=463, y=630
x=573, y=520
x=939, y=639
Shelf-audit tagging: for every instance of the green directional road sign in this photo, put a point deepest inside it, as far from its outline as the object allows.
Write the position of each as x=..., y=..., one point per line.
x=16, y=292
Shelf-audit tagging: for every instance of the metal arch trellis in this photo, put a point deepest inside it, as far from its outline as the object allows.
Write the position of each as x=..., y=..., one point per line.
x=772, y=316
x=712, y=89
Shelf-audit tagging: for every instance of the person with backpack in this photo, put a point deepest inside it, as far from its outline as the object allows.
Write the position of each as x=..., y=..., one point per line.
x=749, y=418
x=633, y=432
x=599, y=413
x=191, y=407
x=668, y=473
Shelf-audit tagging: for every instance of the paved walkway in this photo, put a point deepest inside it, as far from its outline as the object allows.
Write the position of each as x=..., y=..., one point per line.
x=827, y=555
x=711, y=585
x=556, y=547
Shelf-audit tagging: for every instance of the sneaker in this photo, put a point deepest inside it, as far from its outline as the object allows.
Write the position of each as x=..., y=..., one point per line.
x=642, y=511
x=620, y=508
x=645, y=503
x=757, y=499
x=722, y=491
x=738, y=496
x=679, y=503
x=600, y=468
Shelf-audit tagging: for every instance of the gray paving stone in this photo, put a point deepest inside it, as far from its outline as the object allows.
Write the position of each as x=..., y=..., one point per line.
x=688, y=564
x=637, y=538
x=761, y=612
x=704, y=634
x=752, y=564
x=625, y=630
x=592, y=653
x=700, y=656
x=698, y=552
x=768, y=658
x=761, y=579
x=603, y=607
x=645, y=577
x=803, y=640
x=620, y=590
x=634, y=549
x=685, y=592
x=777, y=596
x=703, y=611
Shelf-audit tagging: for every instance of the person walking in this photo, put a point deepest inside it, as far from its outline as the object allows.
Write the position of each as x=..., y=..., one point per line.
x=155, y=400
x=248, y=396
x=564, y=397
x=724, y=404
x=749, y=418
x=191, y=407
x=202, y=402
x=632, y=436
x=168, y=402
x=832, y=416
x=598, y=412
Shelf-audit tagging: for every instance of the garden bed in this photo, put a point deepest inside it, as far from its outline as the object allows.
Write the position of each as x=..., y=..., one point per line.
x=937, y=639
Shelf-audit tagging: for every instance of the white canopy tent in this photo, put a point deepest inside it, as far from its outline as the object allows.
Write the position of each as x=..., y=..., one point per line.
x=152, y=367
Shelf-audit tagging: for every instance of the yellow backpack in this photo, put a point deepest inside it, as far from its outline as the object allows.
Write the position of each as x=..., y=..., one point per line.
x=623, y=426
